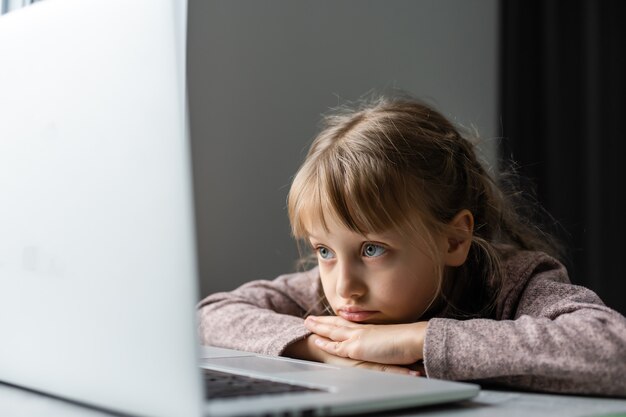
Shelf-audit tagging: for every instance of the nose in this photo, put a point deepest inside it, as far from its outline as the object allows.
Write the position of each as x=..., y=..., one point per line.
x=349, y=285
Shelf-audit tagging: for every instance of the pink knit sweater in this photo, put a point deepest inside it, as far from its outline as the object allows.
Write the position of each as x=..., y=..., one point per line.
x=548, y=335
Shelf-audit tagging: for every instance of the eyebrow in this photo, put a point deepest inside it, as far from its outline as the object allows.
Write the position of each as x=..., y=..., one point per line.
x=385, y=240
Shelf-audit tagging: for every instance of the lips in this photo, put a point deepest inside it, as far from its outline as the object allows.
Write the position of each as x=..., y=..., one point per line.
x=355, y=313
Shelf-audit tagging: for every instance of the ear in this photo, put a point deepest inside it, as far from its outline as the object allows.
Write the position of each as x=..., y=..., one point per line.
x=458, y=247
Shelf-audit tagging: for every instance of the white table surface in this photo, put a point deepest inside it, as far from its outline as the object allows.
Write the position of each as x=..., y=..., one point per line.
x=15, y=402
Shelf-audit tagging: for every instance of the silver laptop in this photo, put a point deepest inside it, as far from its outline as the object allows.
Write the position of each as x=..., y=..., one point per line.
x=97, y=252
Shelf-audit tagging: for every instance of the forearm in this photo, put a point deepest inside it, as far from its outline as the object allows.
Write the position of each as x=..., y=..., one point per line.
x=577, y=353
x=250, y=329
x=260, y=316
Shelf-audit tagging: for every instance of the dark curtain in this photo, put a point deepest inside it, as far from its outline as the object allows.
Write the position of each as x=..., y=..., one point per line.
x=563, y=102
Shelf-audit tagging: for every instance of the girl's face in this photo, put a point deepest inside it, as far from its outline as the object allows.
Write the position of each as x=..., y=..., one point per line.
x=377, y=278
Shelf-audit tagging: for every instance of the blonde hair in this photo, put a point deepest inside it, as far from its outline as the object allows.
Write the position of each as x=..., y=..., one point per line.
x=396, y=163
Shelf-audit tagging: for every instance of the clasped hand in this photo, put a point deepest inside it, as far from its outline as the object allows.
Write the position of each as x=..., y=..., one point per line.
x=394, y=344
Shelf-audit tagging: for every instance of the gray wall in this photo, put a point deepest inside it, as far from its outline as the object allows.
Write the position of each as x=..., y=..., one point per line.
x=261, y=73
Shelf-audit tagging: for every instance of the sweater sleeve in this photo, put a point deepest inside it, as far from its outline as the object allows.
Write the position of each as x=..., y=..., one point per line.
x=560, y=338
x=260, y=316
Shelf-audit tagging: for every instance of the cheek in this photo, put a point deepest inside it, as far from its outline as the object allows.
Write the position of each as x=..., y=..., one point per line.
x=410, y=288
x=328, y=285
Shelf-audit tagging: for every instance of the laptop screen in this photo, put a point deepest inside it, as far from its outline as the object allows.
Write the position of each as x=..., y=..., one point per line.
x=97, y=256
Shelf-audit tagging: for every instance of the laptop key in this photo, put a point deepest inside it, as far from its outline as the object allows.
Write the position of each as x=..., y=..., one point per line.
x=224, y=385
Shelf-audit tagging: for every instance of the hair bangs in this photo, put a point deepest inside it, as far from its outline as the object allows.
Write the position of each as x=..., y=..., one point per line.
x=360, y=191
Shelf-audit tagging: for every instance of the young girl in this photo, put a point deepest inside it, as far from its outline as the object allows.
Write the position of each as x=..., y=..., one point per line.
x=425, y=267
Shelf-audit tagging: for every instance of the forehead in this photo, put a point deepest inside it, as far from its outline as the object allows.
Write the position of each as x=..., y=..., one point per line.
x=333, y=228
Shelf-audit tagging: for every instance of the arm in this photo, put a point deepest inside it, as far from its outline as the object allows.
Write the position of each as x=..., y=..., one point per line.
x=260, y=316
x=268, y=317
x=560, y=338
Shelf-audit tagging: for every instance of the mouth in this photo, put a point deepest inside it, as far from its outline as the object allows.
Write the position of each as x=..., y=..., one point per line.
x=355, y=314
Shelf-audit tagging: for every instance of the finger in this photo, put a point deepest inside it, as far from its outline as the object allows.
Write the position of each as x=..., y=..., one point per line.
x=346, y=349
x=332, y=347
x=330, y=331
x=388, y=368
x=336, y=320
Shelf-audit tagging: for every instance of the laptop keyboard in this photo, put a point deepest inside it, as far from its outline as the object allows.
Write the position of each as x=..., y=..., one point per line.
x=224, y=385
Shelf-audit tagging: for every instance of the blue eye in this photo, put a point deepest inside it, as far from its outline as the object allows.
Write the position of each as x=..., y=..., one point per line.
x=325, y=253
x=371, y=250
